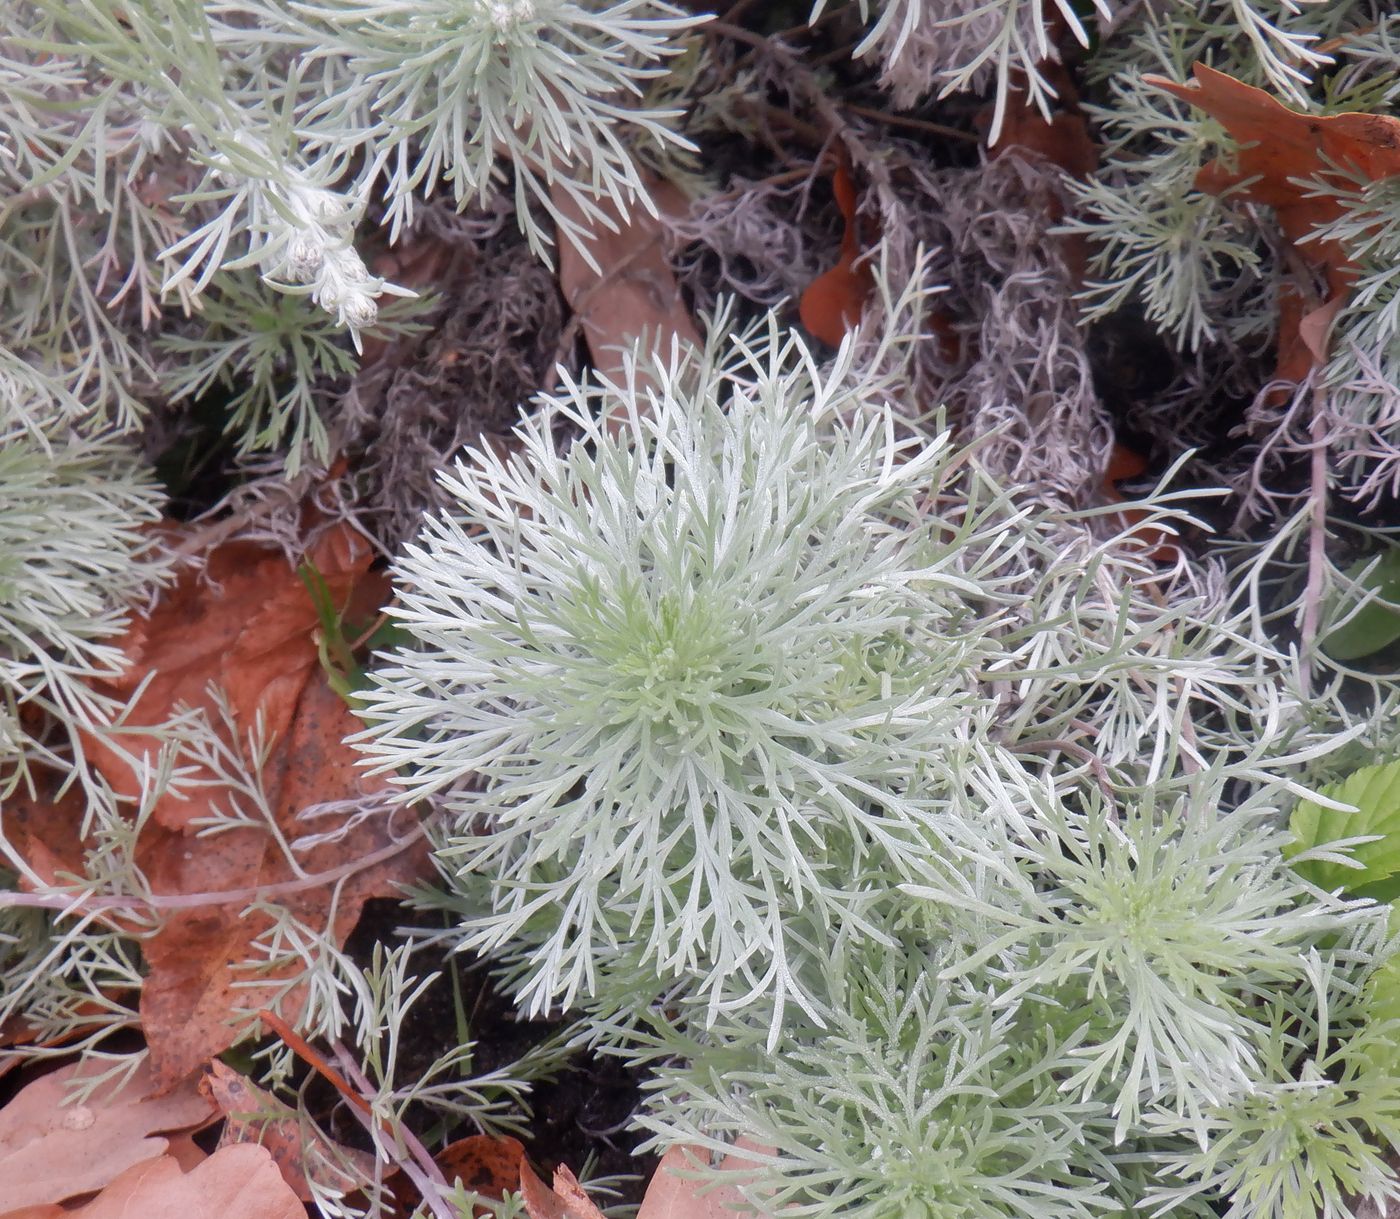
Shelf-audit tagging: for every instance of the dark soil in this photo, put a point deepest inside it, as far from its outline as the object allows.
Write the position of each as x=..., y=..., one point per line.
x=580, y=1118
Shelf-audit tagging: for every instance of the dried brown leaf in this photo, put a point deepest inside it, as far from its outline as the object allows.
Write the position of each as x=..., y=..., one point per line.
x=487, y=1165
x=1279, y=150
x=833, y=302
x=673, y=1193
x=256, y=1116
x=250, y=628
x=50, y=1151
x=246, y=625
x=566, y=1200
x=234, y=1183
x=197, y=977
x=634, y=291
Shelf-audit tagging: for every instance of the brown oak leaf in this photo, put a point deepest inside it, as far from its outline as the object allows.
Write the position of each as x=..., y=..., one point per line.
x=1279, y=151
x=631, y=291
x=254, y=1115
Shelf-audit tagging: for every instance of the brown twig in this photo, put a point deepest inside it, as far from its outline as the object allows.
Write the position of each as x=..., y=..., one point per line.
x=904, y=120
x=736, y=10
x=421, y=1155
x=314, y=1059
x=1094, y=763
x=420, y=1168
x=737, y=33
x=1341, y=40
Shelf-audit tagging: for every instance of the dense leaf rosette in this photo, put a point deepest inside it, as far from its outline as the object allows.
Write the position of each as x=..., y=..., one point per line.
x=707, y=662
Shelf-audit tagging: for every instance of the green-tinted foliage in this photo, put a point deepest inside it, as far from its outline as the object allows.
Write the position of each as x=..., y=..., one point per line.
x=75, y=504
x=1375, y=791
x=1375, y=622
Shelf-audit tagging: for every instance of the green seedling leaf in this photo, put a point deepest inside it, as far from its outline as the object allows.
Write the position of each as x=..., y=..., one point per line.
x=1375, y=791
x=1375, y=624
x=337, y=656
x=388, y=637
x=340, y=642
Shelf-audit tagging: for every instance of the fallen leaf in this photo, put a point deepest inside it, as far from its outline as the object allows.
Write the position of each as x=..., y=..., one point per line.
x=246, y=624
x=49, y=1210
x=1063, y=139
x=26, y=1030
x=251, y=628
x=565, y=1201
x=675, y=1193
x=1124, y=464
x=1304, y=329
x=186, y=1152
x=1278, y=144
x=1279, y=149
x=832, y=303
x=632, y=291
x=234, y=1183
x=256, y=1116
x=51, y=1151
x=196, y=980
x=487, y=1165
x=484, y=1163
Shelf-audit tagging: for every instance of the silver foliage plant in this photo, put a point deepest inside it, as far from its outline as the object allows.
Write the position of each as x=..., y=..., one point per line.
x=1201, y=267
x=152, y=152
x=949, y=46
x=700, y=650
x=923, y=836
x=1210, y=272
x=927, y=833
x=691, y=650
x=74, y=554
x=1090, y=1038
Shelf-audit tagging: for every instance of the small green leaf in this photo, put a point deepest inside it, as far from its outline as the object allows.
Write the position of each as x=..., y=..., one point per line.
x=1377, y=623
x=1375, y=791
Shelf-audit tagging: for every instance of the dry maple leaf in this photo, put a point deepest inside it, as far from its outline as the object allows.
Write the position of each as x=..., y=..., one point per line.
x=51, y=1151
x=1280, y=149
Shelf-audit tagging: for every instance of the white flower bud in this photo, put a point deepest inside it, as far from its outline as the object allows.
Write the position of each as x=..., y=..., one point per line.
x=305, y=257
x=359, y=311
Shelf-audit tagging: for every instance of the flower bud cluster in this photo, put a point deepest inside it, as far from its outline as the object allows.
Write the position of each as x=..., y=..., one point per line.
x=321, y=255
